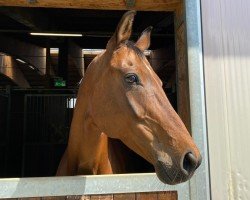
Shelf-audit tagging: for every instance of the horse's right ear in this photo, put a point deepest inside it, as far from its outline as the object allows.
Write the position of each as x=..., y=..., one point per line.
x=123, y=30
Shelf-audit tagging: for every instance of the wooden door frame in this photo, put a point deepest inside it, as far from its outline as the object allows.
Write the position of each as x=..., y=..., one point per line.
x=146, y=5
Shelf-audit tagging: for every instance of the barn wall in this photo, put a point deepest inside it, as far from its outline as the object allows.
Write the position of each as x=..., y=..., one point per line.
x=226, y=41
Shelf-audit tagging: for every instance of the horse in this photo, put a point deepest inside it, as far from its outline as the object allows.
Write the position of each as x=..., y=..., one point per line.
x=121, y=97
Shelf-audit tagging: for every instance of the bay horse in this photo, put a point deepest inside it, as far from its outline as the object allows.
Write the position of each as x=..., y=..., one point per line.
x=121, y=97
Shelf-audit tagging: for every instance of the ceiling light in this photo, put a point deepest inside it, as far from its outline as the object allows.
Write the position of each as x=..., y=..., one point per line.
x=21, y=61
x=58, y=34
x=54, y=50
x=30, y=66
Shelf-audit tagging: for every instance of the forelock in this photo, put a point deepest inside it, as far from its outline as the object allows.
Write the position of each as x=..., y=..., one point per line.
x=131, y=45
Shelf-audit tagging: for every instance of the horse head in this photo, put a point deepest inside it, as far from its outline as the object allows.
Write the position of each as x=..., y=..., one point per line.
x=128, y=103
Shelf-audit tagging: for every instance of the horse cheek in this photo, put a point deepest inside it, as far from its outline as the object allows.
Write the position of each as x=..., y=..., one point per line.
x=136, y=102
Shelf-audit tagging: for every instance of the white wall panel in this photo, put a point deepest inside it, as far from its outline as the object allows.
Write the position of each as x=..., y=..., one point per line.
x=226, y=43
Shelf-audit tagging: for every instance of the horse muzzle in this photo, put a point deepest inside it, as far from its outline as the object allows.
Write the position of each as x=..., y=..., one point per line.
x=174, y=174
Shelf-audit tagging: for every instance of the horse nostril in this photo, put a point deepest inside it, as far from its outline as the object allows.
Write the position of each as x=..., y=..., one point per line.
x=189, y=163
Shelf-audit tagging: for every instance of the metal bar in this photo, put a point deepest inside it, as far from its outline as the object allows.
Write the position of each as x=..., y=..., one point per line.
x=24, y=134
x=44, y=127
x=48, y=95
x=199, y=184
x=7, y=133
x=86, y=185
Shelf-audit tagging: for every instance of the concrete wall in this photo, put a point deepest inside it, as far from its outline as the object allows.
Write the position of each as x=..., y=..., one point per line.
x=226, y=42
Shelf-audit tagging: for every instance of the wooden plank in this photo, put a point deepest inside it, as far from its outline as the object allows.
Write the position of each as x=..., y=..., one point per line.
x=172, y=195
x=63, y=60
x=147, y=196
x=179, y=15
x=183, y=101
x=101, y=197
x=53, y=198
x=75, y=53
x=28, y=19
x=76, y=197
x=168, y=195
x=146, y=5
x=31, y=54
x=9, y=69
x=50, y=69
x=85, y=197
x=130, y=196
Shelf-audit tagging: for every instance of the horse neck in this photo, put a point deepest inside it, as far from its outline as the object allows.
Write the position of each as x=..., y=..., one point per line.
x=88, y=146
x=90, y=149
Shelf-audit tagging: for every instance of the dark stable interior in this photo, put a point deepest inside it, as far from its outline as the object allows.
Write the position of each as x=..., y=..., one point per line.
x=35, y=122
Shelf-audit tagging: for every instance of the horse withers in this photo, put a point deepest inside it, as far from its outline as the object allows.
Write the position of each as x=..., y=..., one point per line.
x=122, y=97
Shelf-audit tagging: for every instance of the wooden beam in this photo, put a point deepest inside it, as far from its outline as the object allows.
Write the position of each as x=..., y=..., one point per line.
x=146, y=5
x=33, y=20
x=183, y=100
x=32, y=54
x=75, y=53
x=63, y=60
x=50, y=71
x=9, y=69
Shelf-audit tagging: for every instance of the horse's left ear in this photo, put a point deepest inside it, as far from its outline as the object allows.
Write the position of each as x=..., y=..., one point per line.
x=143, y=42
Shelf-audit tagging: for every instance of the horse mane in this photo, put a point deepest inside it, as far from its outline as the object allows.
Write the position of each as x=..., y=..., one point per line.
x=131, y=45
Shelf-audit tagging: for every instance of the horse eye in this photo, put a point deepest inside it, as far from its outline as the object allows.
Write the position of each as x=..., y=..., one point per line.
x=131, y=78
